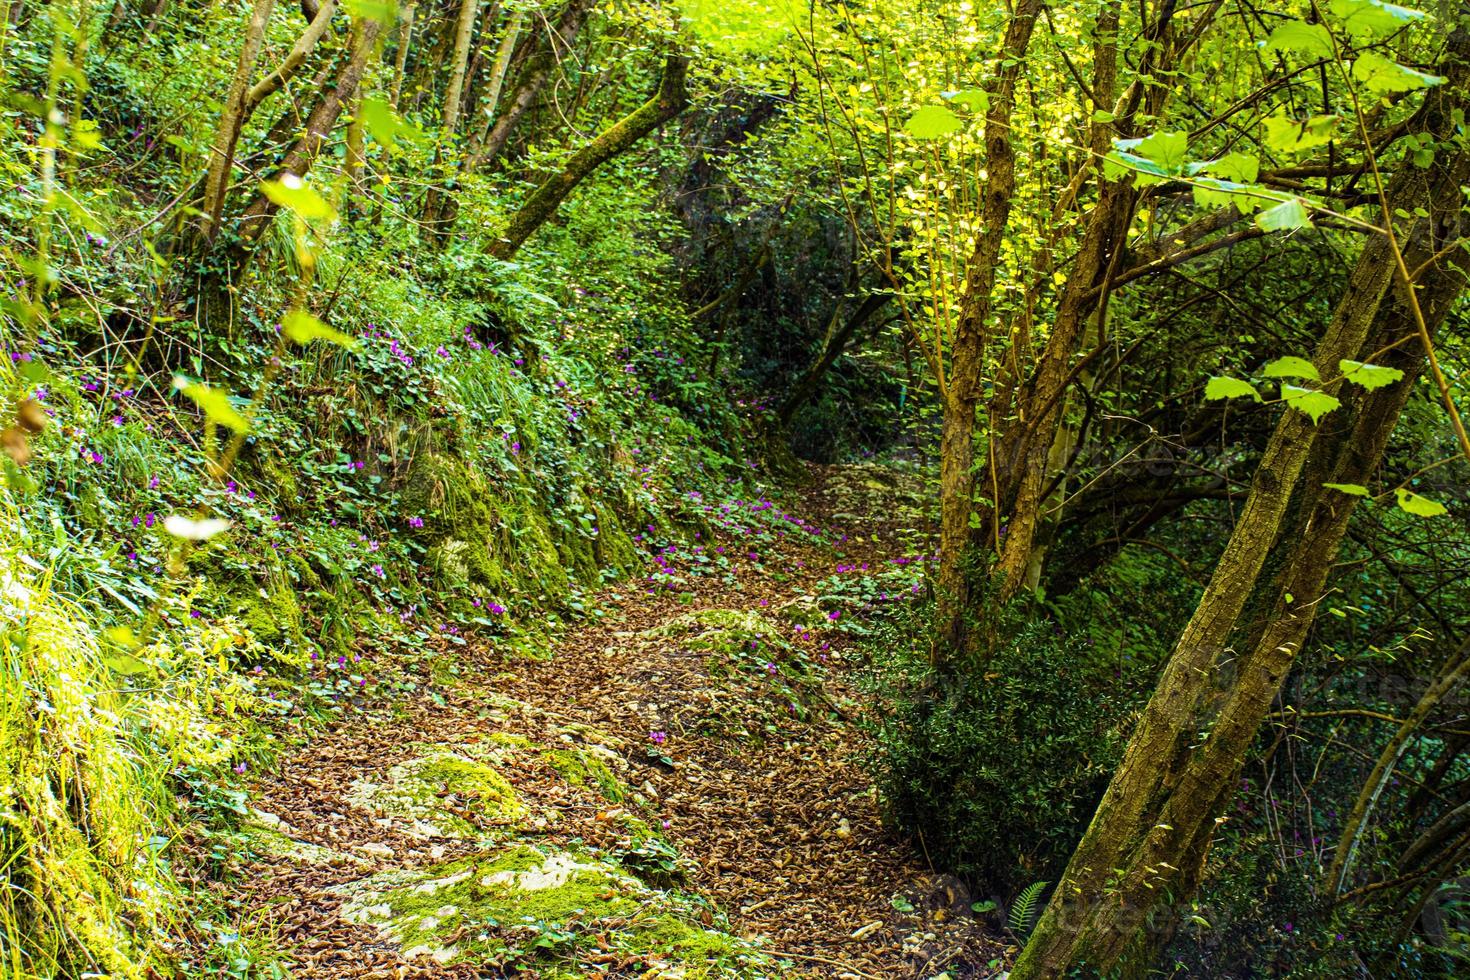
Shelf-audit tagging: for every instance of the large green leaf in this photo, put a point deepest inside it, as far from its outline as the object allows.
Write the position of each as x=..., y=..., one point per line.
x=1365, y=19
x=1298, y=37
x=1385, y=77
x=931, y=122
x=1309, y=401
x=1169, y=150
x=1292, y=367
x=1351, y=489
x=1417, y=505
x=385, y=125
x=1223, y=387
x=1286, y=134
x=295, y=195
x=1286, y=216
x=1370, y=376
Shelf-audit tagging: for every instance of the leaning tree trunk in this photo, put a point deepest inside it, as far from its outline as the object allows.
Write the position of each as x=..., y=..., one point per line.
x=667, y=103
x=836, y=343
x=532, y=80
x=1143, y=853
x=232, y=118
x=295, y=58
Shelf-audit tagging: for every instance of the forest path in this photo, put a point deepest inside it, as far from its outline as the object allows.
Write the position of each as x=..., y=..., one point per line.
x=761, y=788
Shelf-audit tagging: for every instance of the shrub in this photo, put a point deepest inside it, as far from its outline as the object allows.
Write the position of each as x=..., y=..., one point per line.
x=993, y=775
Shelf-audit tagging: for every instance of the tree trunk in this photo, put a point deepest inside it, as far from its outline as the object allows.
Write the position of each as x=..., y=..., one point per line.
x=667, y=103
x=232, y=118
x=453, y=94
x=295, y=58
x=319, y=126
x=532, y=79
x=960, y=393
x=405, y=35
x=1165, y=795
x=498, y=71
x=836, y=343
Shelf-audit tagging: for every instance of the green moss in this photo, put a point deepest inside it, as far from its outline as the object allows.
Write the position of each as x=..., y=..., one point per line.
x=529, y=903
x=423, y=790
x=581, y=767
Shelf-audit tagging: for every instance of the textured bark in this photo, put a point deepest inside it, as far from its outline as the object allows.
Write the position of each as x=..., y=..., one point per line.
x=400, y=61
x=667, y=103
x=453, y=94
x=232, y=118
x=1162, y=802
x=498, y=70
x=961, y=391
x=532, y=80
x=319, y=125
x=295, y=58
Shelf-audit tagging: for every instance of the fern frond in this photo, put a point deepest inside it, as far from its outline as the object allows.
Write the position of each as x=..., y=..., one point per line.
x=1023, y=910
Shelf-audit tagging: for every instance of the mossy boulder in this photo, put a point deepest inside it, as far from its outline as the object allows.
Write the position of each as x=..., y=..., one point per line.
x=446, y=792
x=719, y=631
x=524, y=903
x=268, y=835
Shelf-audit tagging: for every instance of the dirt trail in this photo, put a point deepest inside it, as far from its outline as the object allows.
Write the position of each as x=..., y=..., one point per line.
x=777, y=826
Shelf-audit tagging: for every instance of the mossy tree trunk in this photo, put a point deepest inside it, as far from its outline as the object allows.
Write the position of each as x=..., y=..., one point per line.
x=1144, y=851
x=231, y=120
x=960, y=391
x=667, y=103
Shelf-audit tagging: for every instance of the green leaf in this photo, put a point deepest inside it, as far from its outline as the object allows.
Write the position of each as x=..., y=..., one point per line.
x=1385, y=77
x=977, y=100
x=1308, y=401
x=214, y=403
x=1285, y=134
x=301, y=327
x=1419, y=506
x=931, y=122
x=1352, y=489
x=383, y=11
x=1292, y=367
x=385, y=125
x=1168, y=150
x=1121, y=164
x=1365, y=19
x=1242, y=167
x=1286, y=216
x=1221, y=387
x=293, y=194
x=126, y=663
x=1312, y=40
x=1370, y=376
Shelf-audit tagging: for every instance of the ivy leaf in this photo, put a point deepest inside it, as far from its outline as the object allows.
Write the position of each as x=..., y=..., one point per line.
x=931, y=122
x=1308, y=401
x=1300, y=38
x=1382, y=76
x=1285, y=134
x=1221, y=387
x=1370, y=376
x=214, y=403
x=1351, y=489
x=1292, y=367
x=293, y=194
x=1373, y=18
x=1419, y=506
x=1286, y=216
x=301, y=327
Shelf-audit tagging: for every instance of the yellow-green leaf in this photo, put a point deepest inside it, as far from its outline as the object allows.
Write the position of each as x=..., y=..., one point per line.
x=1220, y=387
x=1419, y=506
x=1292, y=367
x=1351, y=489
x=1308, y=401
x=301, y=327
x=1370, y=376
x=214, y=403
x=295, y=195
x=931, y=122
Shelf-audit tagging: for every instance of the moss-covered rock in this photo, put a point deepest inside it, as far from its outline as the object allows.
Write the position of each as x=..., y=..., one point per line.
x=267, y=834
x=447, y=792
x=524, y=903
